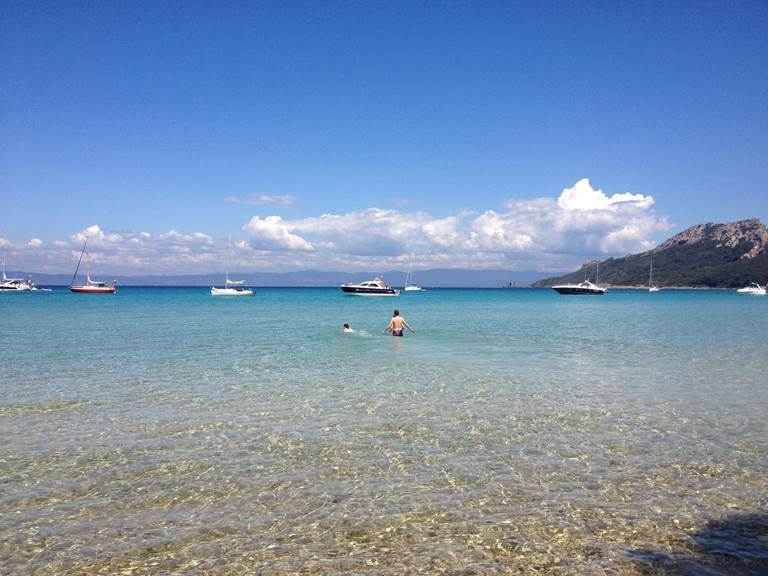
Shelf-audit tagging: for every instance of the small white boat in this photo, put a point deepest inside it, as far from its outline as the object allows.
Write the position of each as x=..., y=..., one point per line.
x=90, y=286
x=375, y=287
x=232, y=288
x=410, y=286
x=651, y=287
x=754, y=289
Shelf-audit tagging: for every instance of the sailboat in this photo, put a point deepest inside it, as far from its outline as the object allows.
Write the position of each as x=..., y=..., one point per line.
x=231, y=287
x=90, y=286
x=651, y=287
x=410, y=286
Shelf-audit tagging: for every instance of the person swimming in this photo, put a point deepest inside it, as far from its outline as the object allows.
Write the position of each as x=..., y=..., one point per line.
x=397, y=324
x=346, y=328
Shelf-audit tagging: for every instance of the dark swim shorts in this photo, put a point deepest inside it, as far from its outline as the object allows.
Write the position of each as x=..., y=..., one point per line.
x=397, y=332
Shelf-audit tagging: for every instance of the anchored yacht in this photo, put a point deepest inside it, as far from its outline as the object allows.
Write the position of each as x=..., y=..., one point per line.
x=754, y=289
x=90, y=286
x=585, y=287
x=375, y=287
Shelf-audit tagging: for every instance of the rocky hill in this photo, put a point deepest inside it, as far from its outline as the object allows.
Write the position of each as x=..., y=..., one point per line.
x=706, y=255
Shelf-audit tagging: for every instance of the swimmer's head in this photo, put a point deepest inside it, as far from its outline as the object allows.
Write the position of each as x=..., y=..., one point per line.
x=396, y=313
x=346, y=326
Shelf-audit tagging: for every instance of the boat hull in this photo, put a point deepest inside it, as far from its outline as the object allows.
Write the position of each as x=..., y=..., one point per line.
x=362, y=291
x=579, y=290
x=231, y=292
x=93, y=289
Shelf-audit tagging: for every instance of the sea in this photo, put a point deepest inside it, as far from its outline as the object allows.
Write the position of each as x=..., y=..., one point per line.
x=518, y=431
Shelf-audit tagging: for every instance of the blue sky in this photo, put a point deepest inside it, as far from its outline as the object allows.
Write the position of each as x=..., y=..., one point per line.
x=445, y=132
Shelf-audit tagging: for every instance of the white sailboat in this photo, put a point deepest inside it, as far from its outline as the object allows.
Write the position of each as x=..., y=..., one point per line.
x=651, y=287
x=410, y=285
x=90, y=286
x=231, y=287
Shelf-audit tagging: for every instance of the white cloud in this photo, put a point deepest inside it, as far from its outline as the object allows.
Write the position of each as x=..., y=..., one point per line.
x=35, y=243
x=91, y=233
x=546, y=233
x=272, y=233
x=263, y=200
x=583, y=197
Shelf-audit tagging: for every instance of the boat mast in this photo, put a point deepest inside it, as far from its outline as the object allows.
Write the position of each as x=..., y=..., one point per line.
x=229, y=256
x=78, y=263
x=650, y=275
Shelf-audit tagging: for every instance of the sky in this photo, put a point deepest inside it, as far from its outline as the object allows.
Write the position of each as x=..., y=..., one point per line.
x=370, y=135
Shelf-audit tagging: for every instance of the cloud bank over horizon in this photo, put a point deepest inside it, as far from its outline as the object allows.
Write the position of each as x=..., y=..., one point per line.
x=544, y=234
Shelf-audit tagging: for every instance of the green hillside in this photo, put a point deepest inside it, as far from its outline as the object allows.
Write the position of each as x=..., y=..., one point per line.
x=684, y=260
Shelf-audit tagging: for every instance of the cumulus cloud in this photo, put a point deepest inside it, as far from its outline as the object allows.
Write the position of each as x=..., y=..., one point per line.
x=583, y=197
x=263, y=200
x=272, y=233
x=91, y=233
x=551, y=233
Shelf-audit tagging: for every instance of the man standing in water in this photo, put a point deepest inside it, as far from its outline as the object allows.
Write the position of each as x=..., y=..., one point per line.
x=397, y=324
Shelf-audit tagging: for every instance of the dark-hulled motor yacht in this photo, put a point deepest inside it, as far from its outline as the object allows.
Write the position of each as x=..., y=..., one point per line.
x=375, y=287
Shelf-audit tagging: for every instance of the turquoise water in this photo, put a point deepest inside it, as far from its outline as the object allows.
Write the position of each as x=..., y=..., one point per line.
x=162, y=430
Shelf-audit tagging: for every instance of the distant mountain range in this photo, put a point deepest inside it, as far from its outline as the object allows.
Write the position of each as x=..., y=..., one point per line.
x=704, y=256
x=443, y=278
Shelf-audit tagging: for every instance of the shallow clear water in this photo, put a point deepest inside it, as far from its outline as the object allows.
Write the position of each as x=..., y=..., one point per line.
x=519, y=431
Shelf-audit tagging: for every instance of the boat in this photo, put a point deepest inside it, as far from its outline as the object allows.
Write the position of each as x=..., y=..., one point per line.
x=90, y=286
x=375, y=287
x=754, y=288
x=15, y=284
x=584, y=288
x=651, y=287
x=409, y=284
x=231, y=287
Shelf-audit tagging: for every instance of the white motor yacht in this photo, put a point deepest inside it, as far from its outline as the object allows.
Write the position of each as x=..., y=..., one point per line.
x=15, y=284
x=585, y=287
x=754, y=289
x=375, y=287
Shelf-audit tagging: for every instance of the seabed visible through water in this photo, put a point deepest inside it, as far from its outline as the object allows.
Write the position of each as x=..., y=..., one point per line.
x=161, y=431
